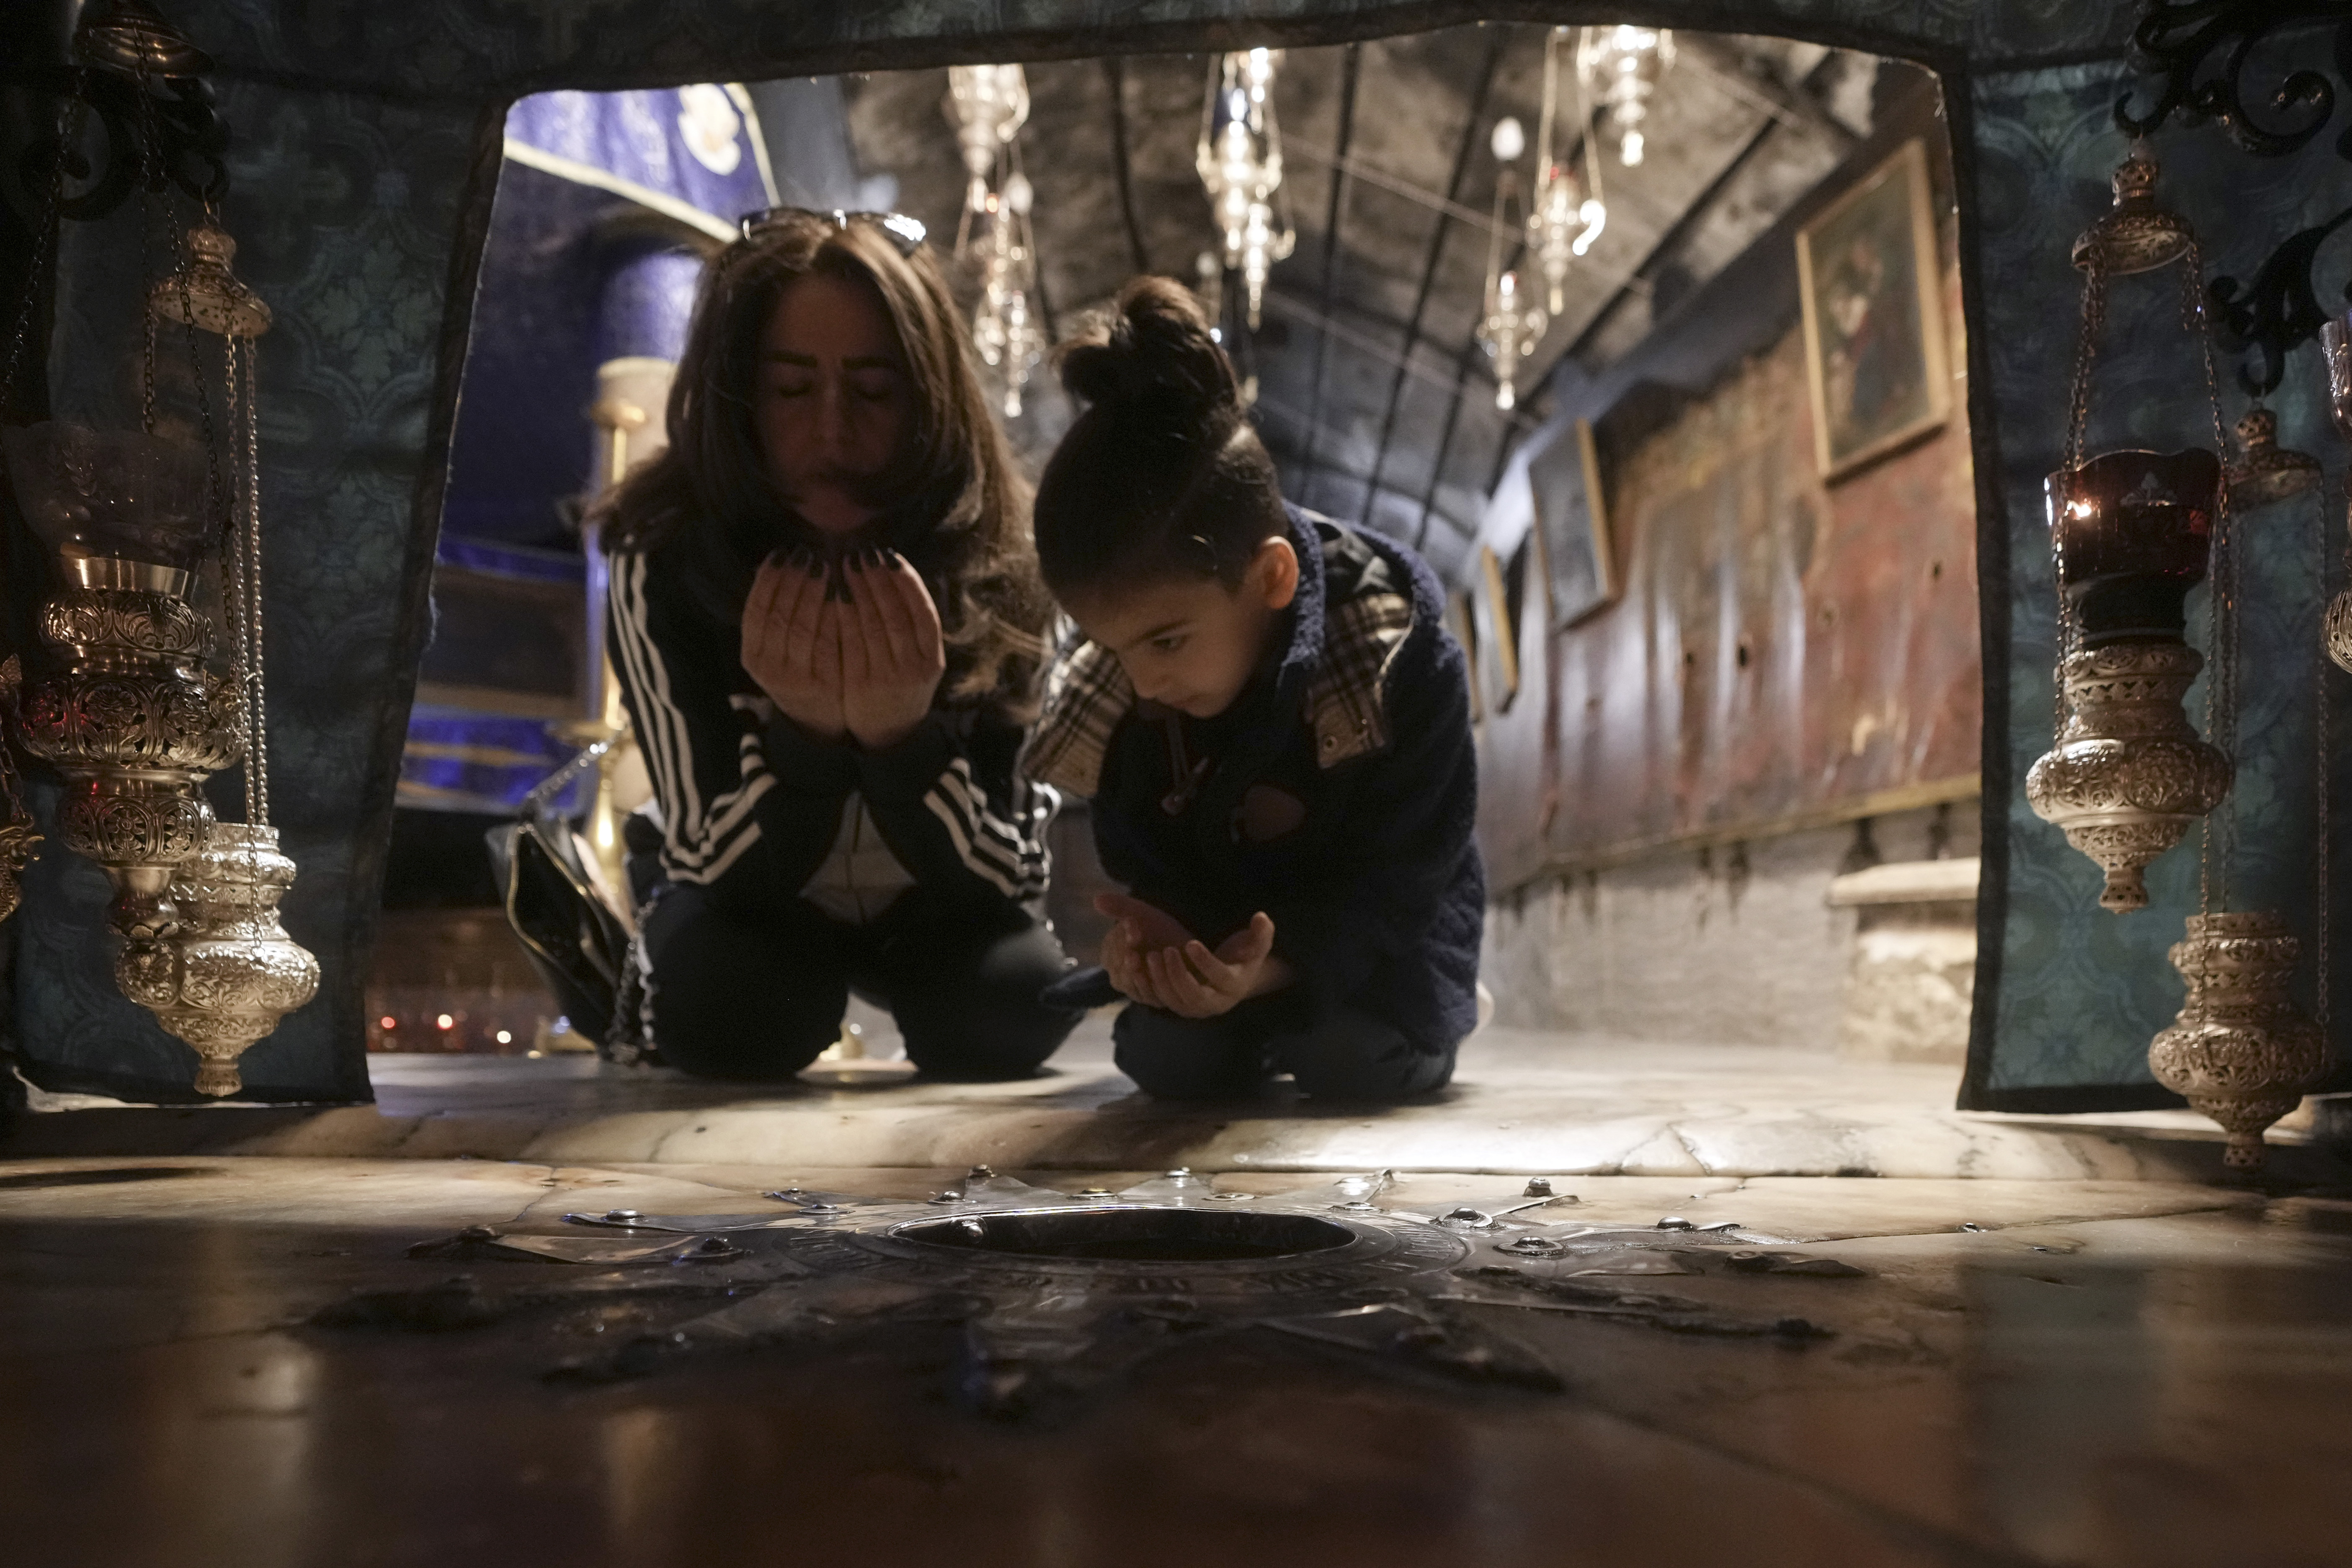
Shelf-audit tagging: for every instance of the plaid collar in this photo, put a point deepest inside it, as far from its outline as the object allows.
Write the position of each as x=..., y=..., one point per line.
x=1347, y=660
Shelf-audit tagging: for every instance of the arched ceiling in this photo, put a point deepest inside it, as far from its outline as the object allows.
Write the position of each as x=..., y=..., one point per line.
x=1375, y=395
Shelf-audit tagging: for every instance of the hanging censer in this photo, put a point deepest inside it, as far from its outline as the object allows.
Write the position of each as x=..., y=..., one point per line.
x=2131, y=532
x=2241, y=1052
x=119, y=701
x=226, y=976
x=118, y=698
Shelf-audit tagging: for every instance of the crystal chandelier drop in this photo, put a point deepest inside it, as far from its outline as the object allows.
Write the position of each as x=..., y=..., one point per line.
x=989, y=105
x=1240, y=161
x=1513, y=323
x=1621, y=67
x=1567, y=216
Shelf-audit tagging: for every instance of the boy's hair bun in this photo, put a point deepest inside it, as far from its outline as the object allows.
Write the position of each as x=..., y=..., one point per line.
x=1152, y=350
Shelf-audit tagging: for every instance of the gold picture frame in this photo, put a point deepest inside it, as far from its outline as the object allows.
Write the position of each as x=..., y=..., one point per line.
x=1499, y=639
x=1462, y=622
x=1869, y=278
x=1579, y=566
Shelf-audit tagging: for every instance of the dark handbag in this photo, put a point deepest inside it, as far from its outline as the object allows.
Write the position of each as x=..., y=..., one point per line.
x=577, y=939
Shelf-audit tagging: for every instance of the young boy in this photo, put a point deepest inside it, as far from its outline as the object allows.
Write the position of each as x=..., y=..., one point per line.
x=1274, y=724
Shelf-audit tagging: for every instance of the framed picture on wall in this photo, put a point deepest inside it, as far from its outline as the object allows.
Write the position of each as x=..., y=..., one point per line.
x=1572, y=526
x=1462, y=622
x=1867, y=275
x=1498, y=655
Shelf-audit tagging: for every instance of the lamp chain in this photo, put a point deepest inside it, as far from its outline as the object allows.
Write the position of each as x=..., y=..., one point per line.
x=2221, y=832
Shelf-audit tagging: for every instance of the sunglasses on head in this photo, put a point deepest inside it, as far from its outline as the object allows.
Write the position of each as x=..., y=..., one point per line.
x=904, y=232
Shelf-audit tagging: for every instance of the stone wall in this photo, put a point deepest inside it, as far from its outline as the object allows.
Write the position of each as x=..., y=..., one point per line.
x=1731, y=943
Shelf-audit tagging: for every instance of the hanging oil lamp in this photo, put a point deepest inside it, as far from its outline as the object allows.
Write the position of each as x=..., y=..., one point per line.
x=1239, y=159
x=2131, y=533
x=988, y=105
x=1566, y=219
x=2242, y=1053
x=1621, y=66
x=226, y=977
x=2129, y=775
x=1512, y=324
x=127, y=713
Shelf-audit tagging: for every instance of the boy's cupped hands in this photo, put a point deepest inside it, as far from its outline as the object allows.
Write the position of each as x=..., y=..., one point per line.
x=1150, y=958
x=854, y=648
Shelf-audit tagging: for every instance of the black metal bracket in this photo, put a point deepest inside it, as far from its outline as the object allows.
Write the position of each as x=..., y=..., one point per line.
x=161, y=132
x=2201, y=50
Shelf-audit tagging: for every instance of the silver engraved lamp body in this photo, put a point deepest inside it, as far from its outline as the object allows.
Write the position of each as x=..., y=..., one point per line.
x=2134, y=235
x=120, y=702
x=231, y=973
x=2128, y=775
x=134, y=723
x=2265, y=471
x=2240, y=1052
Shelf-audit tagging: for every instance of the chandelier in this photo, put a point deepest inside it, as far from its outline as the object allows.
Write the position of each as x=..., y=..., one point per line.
x=1240, y=161
x=988, y=104
x=1513, y=324
x=1621, y=67
x=1566, y=220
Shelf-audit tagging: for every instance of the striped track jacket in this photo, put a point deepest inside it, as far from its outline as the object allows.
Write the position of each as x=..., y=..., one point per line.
x=751, y=802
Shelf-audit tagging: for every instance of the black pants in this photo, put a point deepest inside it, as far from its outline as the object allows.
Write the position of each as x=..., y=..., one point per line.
x=754, y=1000
x=1348, y=1055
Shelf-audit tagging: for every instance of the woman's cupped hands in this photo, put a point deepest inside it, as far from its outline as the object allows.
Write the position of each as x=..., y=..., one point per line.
x=853, y=648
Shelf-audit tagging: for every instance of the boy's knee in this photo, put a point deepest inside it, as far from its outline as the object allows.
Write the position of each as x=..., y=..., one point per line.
x=1183, y=1059
x=970, y=1046
x=1353, y=1056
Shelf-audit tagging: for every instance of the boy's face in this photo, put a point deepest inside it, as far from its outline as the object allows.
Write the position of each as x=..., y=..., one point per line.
x=1193, y=645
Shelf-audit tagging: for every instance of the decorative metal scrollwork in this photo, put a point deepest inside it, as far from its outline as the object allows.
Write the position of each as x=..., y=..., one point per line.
x=141, y=79
x=2279, y=310
x=2202, y=51
x=2179, y=38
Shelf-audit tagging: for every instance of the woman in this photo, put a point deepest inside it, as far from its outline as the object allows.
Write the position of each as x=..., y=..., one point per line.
x=828, y=630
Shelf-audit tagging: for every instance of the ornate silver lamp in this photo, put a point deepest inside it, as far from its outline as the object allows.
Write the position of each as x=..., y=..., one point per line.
x=229, y=972
x=1239, y=159
x=1568, y=217
x=2131, y=533
x=1622, y=67
x=1513, y=324
x=127, y=714
x=2241, y=1052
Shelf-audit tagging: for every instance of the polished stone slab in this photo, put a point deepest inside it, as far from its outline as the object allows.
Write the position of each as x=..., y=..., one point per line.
x=2097, y=1374
x=1522, y=1102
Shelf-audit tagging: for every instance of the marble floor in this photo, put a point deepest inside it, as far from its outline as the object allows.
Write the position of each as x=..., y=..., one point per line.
x=1522, y=1101
x=2137, y=1372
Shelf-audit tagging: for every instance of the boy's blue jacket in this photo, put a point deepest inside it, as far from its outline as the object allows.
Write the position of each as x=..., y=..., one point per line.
x=1338, y=794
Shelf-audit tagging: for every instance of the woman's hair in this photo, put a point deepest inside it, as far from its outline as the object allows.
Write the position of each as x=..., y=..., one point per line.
x=1161, y=478
x=955, y=502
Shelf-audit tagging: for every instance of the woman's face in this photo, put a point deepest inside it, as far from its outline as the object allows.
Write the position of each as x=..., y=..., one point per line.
x=834, y=401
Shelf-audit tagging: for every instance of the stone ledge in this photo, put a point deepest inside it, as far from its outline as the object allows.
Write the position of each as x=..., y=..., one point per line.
x=1908, y=882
